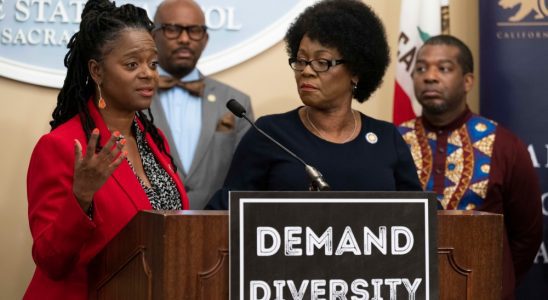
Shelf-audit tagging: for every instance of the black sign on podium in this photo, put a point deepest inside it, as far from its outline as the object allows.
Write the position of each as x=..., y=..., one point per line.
x=333, y=245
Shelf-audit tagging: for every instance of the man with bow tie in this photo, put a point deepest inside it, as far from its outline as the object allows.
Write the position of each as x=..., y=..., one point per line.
x=191, y=108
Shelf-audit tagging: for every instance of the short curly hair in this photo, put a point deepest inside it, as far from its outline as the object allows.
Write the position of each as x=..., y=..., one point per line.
x=351, y=27
x=465, y=58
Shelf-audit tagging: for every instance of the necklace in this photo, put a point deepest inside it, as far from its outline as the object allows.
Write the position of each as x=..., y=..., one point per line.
x=321, y=135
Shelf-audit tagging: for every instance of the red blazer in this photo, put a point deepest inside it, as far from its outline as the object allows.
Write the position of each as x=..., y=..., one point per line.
x=64, y=238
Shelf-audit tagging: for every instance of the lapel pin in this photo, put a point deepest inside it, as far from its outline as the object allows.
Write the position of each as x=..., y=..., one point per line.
x=371, y=138
x=211, y=98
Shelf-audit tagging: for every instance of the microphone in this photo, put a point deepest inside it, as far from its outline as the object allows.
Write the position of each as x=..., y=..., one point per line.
x=317, y=183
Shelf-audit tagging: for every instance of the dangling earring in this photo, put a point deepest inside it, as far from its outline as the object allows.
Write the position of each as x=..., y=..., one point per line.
x=101, y=103
x=354, y=88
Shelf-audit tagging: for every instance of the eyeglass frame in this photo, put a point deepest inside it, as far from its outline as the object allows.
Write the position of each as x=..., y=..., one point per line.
x=330, y=63
x=181, y=28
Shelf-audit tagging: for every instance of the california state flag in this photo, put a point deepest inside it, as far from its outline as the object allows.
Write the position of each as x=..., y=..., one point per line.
x=419, y=20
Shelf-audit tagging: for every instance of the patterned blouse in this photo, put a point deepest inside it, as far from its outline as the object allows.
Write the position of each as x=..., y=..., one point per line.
x=163, y=193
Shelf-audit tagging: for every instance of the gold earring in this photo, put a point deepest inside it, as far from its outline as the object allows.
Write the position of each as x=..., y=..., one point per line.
x=101, y=103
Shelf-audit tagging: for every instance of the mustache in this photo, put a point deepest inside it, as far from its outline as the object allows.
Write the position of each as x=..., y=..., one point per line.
x=183, y=48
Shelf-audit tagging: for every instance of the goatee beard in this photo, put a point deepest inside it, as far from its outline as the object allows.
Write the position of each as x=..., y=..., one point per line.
x=435, y=109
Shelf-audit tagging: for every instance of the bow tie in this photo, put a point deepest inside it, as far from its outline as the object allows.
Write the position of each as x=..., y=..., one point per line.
x=195, y=88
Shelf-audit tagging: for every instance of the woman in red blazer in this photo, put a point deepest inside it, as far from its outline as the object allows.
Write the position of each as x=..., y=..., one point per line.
x=104, y=160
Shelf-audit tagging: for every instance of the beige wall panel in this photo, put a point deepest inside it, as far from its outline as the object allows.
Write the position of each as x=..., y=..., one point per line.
x=464, y=24
x=24, y=117
x=26, y=111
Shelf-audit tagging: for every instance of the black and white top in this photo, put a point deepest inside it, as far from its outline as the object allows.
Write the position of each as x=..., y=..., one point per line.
x=163, y=193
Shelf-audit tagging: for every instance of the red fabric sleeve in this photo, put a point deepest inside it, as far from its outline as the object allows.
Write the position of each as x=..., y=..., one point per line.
x=522, y=204
x=59, y=226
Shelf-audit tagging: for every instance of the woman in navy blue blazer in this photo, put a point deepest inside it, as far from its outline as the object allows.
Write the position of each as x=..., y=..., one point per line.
x=338, y=52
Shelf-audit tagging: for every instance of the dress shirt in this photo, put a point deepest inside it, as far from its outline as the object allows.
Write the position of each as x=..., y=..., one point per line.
x=184, y=115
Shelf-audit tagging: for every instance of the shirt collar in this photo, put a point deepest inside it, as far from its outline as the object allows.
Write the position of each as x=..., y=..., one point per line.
x=457, y=123
x=194, y=75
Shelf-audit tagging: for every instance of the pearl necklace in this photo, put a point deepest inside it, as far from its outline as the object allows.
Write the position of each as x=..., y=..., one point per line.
x=321, y=135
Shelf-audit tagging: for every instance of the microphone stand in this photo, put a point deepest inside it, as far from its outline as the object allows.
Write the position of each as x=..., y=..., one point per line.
x=317, y=183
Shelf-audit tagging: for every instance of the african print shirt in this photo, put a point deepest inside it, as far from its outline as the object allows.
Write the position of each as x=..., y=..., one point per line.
x=454, y=161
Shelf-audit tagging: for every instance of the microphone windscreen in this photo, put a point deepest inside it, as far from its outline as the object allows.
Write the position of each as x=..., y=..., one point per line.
x=236, y=108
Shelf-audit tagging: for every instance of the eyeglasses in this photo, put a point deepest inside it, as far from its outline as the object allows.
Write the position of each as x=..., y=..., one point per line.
x=173, y=31
x=318, y=65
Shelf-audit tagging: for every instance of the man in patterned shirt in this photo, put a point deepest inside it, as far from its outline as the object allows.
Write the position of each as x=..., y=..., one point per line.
x=471, y=162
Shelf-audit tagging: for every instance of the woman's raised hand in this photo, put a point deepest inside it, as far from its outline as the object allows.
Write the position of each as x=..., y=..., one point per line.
x=92, y=170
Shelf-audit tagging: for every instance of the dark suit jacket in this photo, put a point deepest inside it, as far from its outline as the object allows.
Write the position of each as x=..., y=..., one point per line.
x=220, y=134
x=64, y=238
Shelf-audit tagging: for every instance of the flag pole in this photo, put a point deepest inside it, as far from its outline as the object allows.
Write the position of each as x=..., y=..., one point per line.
x=444, y=16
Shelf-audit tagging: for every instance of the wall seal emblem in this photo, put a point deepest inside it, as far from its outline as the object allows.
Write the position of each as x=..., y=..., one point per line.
x=34, y=33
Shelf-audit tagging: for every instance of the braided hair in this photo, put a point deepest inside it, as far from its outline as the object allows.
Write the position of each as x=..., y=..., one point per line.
x=102, y=22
